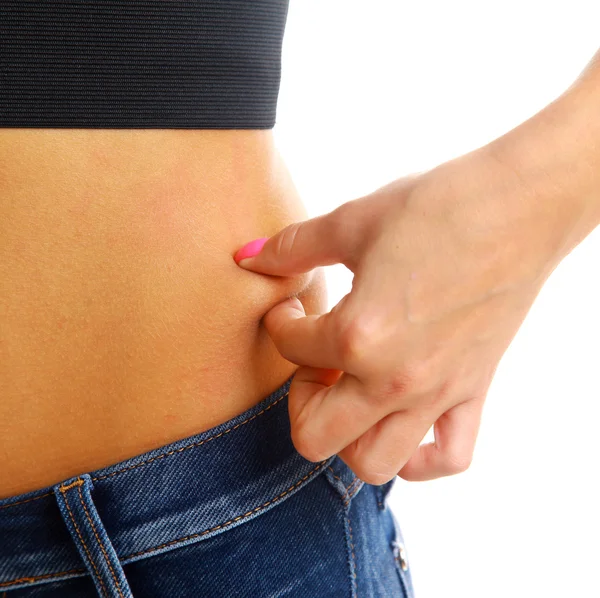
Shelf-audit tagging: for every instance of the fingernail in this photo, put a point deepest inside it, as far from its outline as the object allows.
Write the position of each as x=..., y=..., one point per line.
x=250, y=249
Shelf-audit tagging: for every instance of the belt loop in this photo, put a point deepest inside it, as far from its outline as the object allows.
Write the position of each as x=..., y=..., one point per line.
x=87, y=531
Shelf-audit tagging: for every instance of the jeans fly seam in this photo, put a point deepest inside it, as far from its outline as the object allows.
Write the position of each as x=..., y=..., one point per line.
x=82, y=542
x=190, y=446
x=20, y=502
x=99, y=542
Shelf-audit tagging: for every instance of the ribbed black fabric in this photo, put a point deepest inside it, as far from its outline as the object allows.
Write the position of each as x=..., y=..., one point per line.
x=200, y=64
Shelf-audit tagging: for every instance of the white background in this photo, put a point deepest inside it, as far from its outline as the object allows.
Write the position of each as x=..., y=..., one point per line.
x=376, y=89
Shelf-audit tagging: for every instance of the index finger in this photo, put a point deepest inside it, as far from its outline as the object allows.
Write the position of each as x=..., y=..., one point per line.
x=304, y=340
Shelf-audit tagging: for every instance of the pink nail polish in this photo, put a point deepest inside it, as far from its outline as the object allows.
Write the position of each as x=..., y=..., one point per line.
x=250, y=249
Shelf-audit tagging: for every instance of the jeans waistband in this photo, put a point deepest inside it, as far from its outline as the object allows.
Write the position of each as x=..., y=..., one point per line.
x=169, y=497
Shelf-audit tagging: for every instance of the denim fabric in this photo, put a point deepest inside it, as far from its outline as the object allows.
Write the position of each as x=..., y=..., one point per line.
x=233, y=511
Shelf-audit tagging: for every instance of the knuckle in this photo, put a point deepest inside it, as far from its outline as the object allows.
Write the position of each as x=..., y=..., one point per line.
x=374, y=471
x=411, y=378
x=308, y=446
x=287, y=239
x=448, y=389
x=351, y=340
x=397, y=384
x=357, y=339
x=457, y=463
x=417, y=373
x=414, y=377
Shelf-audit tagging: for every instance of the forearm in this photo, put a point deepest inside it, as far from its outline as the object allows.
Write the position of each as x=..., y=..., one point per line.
x=556, y=155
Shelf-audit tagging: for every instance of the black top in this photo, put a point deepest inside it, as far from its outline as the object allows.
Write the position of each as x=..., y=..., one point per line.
x=191, y=64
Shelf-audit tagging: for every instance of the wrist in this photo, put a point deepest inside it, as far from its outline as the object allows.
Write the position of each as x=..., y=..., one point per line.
x=555, y=156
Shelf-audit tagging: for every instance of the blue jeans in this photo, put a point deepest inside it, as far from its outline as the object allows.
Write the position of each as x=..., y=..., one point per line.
x=234, y=511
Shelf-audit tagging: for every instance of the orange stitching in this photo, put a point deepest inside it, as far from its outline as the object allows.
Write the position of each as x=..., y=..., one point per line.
x=78, y=482
x=99, y=542
x=346, y=498
x=354, y=491
x=201, y=442
x=48, y=575
x=4, y=584
x=354, y=481
x=83, y=543
x=189, y=446
x=227, y=523
x=13, y=504
x=349, y=485
x=195, y=444
x=333, y=474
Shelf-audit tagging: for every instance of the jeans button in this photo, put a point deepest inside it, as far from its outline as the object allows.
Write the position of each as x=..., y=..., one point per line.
x=400, y=555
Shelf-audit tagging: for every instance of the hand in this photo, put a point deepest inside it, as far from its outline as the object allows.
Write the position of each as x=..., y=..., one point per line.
x=446, y=265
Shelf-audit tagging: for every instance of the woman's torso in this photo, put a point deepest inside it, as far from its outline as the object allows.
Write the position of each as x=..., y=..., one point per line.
x=125, y=324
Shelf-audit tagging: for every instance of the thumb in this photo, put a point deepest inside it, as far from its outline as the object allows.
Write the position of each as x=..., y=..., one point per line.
x=298, y=248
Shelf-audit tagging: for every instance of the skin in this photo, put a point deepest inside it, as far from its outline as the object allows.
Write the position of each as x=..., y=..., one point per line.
x=124, y=322
x=446, y=264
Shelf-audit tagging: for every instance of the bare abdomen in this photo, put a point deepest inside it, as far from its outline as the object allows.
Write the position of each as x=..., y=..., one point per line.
x=124, y=322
